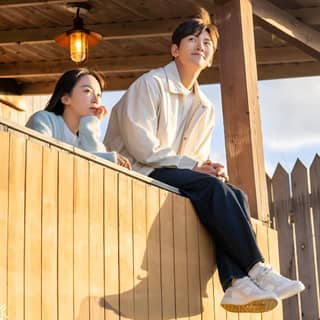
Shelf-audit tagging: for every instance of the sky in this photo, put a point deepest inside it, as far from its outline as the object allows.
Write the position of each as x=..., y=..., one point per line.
x=290, y=117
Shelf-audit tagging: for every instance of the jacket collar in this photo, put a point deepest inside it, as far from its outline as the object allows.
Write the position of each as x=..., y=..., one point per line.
x=176, y=87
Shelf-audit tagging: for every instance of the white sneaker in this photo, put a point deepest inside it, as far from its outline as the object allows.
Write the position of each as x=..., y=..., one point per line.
x=266, y=278
x=245, y=296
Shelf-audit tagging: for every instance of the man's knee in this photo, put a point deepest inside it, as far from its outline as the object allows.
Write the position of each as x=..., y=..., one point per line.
x=239, y=192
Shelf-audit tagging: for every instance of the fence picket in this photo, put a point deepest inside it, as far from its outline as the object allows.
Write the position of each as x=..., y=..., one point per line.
x=305, y=250
x=315, y=202
x=282, y=208
x=270, y=201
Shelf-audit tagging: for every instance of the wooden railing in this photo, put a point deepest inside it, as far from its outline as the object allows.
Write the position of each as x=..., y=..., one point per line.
x=82, y=238
x=19, y=108
x=295, y=208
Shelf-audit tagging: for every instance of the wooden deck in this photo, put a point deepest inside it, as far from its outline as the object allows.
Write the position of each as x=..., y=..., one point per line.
x=82, y=239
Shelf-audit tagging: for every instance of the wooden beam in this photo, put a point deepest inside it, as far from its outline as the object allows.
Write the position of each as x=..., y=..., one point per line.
x=9, y=86
x=270, y=72
x=107, y=65
x=288, y=70
x=128, y=7
x=4, y=4
x=241, y=114
x=309, y=16
x=138, y=63
x=277, y=55
x=12, y=102
x=265, y=72
x=287, y=27
x=112, y=83
x=109, y=31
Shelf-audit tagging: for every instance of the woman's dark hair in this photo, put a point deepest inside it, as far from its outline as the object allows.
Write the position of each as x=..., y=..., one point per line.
x=194, y=27
x=65, y=85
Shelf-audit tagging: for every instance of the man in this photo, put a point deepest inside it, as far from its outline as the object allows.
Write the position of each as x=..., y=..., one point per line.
x=163, y=124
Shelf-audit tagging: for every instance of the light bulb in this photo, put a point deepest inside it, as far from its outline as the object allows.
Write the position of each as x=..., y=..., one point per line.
x=78, y=46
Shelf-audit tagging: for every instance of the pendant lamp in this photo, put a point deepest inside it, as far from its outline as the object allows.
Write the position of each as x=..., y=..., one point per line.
x=78, y=39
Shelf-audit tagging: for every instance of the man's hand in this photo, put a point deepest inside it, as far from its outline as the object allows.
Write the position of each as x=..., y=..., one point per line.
x=123, y=161
x=212, y=169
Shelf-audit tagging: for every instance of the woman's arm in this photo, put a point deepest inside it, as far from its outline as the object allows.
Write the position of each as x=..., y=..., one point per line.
x=41, y=122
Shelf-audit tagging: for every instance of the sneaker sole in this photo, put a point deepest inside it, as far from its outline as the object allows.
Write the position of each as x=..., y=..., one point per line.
x=257, y=306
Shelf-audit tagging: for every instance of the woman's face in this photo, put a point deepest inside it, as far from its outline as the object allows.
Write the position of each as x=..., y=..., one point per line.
x=85, y=97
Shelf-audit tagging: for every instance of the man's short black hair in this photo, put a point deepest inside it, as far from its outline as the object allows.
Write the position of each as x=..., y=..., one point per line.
x=194, y=27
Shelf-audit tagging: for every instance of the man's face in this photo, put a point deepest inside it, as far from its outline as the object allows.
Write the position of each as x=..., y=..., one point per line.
x=195, y=52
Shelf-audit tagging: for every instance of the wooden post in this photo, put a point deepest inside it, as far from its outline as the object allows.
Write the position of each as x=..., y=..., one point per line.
x=238, y=74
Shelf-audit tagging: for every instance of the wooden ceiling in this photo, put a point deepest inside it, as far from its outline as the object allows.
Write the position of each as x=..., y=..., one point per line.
x=136, y=38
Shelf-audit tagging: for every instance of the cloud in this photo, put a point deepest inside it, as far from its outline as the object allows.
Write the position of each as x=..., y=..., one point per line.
x=290, y=112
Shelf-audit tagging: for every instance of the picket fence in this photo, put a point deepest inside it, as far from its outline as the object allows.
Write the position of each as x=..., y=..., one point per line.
x=295, y=213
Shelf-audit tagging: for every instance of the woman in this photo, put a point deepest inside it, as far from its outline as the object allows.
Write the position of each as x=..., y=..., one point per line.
x=74, y=113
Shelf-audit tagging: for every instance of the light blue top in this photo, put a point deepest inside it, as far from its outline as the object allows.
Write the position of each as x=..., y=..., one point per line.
x=52, y=125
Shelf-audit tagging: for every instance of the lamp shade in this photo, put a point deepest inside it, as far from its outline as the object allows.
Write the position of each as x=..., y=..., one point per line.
x=78, y=40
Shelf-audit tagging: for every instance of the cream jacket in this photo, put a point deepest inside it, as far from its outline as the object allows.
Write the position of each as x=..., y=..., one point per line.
x=148, y=127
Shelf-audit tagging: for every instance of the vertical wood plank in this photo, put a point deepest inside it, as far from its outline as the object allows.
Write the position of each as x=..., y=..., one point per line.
x=4, y=197
x=96, y=264
x=305, y=249
x=140, y=243
x=282, y=212
x=153, y=252
x=315, y=202
x=193, y=263
x=262, y=240
x=180, y=257
x=50, y=234
x=16, y=228
x=275, y=262
x=65, y=236
x=234, y=316
x=271, y=222
x=252, y=316
x=5, y=114
x=81, y=239
x=167, y=255
x=220, y=313
x=33, y=231
x=211, y=290
x=237, y=64
x=111, y=235
x=125, y=247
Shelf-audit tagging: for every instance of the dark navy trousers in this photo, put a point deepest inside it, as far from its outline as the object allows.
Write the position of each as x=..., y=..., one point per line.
x=223, y=209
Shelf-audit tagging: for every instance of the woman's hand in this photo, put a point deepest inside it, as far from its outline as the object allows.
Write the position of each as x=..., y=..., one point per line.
x=101, y=112
x=123, y=161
